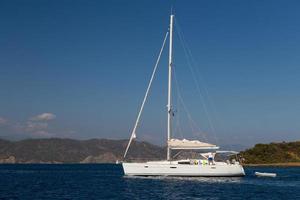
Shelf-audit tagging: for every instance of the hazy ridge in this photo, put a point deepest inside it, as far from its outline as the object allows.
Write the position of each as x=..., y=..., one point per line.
x=56, y=150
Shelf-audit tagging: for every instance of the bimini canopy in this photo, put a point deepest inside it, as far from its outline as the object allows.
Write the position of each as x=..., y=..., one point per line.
x=190, y=144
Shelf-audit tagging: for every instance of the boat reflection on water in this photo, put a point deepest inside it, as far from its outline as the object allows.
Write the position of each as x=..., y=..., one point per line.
x=193, y=179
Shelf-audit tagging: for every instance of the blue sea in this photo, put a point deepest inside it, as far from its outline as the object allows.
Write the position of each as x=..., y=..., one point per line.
x=106, y=181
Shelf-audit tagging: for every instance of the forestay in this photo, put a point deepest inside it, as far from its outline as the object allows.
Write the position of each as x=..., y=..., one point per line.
x=133, y=134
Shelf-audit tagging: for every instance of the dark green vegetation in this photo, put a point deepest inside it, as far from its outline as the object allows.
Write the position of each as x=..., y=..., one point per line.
x=56, y=150
x=285, y=152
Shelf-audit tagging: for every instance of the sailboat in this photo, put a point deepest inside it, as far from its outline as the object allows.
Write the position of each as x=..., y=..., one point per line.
x=206, y=167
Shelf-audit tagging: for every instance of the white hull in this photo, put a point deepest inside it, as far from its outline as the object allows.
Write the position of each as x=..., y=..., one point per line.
x=167, y=168
x=265, y=174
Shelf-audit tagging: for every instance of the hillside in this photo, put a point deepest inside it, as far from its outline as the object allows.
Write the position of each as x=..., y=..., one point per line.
x=285, y=152
x=57, y=150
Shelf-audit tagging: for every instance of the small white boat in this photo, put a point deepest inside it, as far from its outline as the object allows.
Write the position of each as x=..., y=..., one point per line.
x=265, y=174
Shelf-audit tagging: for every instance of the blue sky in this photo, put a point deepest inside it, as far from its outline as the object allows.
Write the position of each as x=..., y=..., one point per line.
x=79, y=69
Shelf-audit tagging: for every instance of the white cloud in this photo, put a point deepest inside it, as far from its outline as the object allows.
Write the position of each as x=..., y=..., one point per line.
x=43, y=117
x=3, y=121
x=33, y=126
x=35, y=129
x=38, y=126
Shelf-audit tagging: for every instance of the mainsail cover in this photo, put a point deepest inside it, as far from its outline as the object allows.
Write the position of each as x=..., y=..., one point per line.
x=190, y=144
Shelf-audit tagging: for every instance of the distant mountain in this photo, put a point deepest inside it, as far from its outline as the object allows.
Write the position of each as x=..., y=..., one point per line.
x=56, y=150
x=285, y=152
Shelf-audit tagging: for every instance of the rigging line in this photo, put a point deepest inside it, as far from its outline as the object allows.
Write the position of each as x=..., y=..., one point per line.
x=179, y=100
x=210, y=101
x=193, y=124
x=185, y=48
x=197, y=72
x=202, y=98
x=133, y=135
x=178, y=128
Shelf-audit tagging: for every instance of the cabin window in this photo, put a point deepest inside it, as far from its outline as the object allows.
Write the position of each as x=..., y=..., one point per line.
x=184, y=162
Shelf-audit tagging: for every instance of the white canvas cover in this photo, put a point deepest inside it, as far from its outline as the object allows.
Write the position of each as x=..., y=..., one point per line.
x=190, y=144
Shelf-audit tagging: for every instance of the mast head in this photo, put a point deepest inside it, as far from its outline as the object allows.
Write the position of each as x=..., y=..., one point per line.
x=172, y=11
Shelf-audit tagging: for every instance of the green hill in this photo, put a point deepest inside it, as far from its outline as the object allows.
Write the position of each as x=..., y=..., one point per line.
x=285, y=152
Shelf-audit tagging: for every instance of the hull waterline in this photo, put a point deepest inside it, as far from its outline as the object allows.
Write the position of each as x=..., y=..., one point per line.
x=181, y=170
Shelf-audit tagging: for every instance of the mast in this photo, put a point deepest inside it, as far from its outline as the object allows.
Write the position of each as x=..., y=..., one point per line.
x=169, y=106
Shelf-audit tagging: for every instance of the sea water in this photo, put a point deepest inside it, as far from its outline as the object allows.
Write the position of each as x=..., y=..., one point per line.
x=106, y=181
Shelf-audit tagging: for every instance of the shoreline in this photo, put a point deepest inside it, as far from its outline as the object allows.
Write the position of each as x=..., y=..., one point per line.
x=290, y=164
